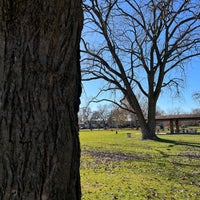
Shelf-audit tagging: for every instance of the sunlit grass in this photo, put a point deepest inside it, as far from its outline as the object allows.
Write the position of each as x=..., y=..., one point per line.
x=116, y=167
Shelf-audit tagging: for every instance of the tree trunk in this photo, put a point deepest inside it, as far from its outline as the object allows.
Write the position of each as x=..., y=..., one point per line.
x=40, y=90
x=149, y=130
x=147, y=125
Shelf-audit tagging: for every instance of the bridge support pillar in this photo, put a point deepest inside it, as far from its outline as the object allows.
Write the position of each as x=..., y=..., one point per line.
x=177, y=126
x=171, y=126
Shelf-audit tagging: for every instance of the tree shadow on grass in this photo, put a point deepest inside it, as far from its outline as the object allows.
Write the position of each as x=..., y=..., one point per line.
x=175, y=142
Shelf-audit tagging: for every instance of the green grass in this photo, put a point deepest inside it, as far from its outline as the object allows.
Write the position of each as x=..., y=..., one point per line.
x=116, y=167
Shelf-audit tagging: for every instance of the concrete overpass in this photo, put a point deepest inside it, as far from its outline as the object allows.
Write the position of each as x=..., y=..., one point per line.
x=176, y=119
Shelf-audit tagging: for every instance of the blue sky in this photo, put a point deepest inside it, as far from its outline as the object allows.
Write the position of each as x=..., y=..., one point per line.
x=183, y=104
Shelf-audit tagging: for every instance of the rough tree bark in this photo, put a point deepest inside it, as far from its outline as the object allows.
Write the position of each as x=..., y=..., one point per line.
x=40, y=90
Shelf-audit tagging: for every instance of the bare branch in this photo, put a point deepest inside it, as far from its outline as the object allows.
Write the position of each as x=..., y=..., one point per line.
x=138, y=46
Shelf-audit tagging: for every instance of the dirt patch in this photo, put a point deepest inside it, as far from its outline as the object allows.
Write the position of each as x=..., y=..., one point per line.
x=190, y=155
x=116, y=156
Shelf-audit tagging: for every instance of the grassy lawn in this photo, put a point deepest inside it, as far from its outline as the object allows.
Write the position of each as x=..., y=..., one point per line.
x=115, y=167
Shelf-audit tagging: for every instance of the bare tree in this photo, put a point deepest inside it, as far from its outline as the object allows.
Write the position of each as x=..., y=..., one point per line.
x=104, y=111
x=159, y=111
x=40, y=90
x=140, y=47
x=195, y=111
x=196, y=97
x=84, y=114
